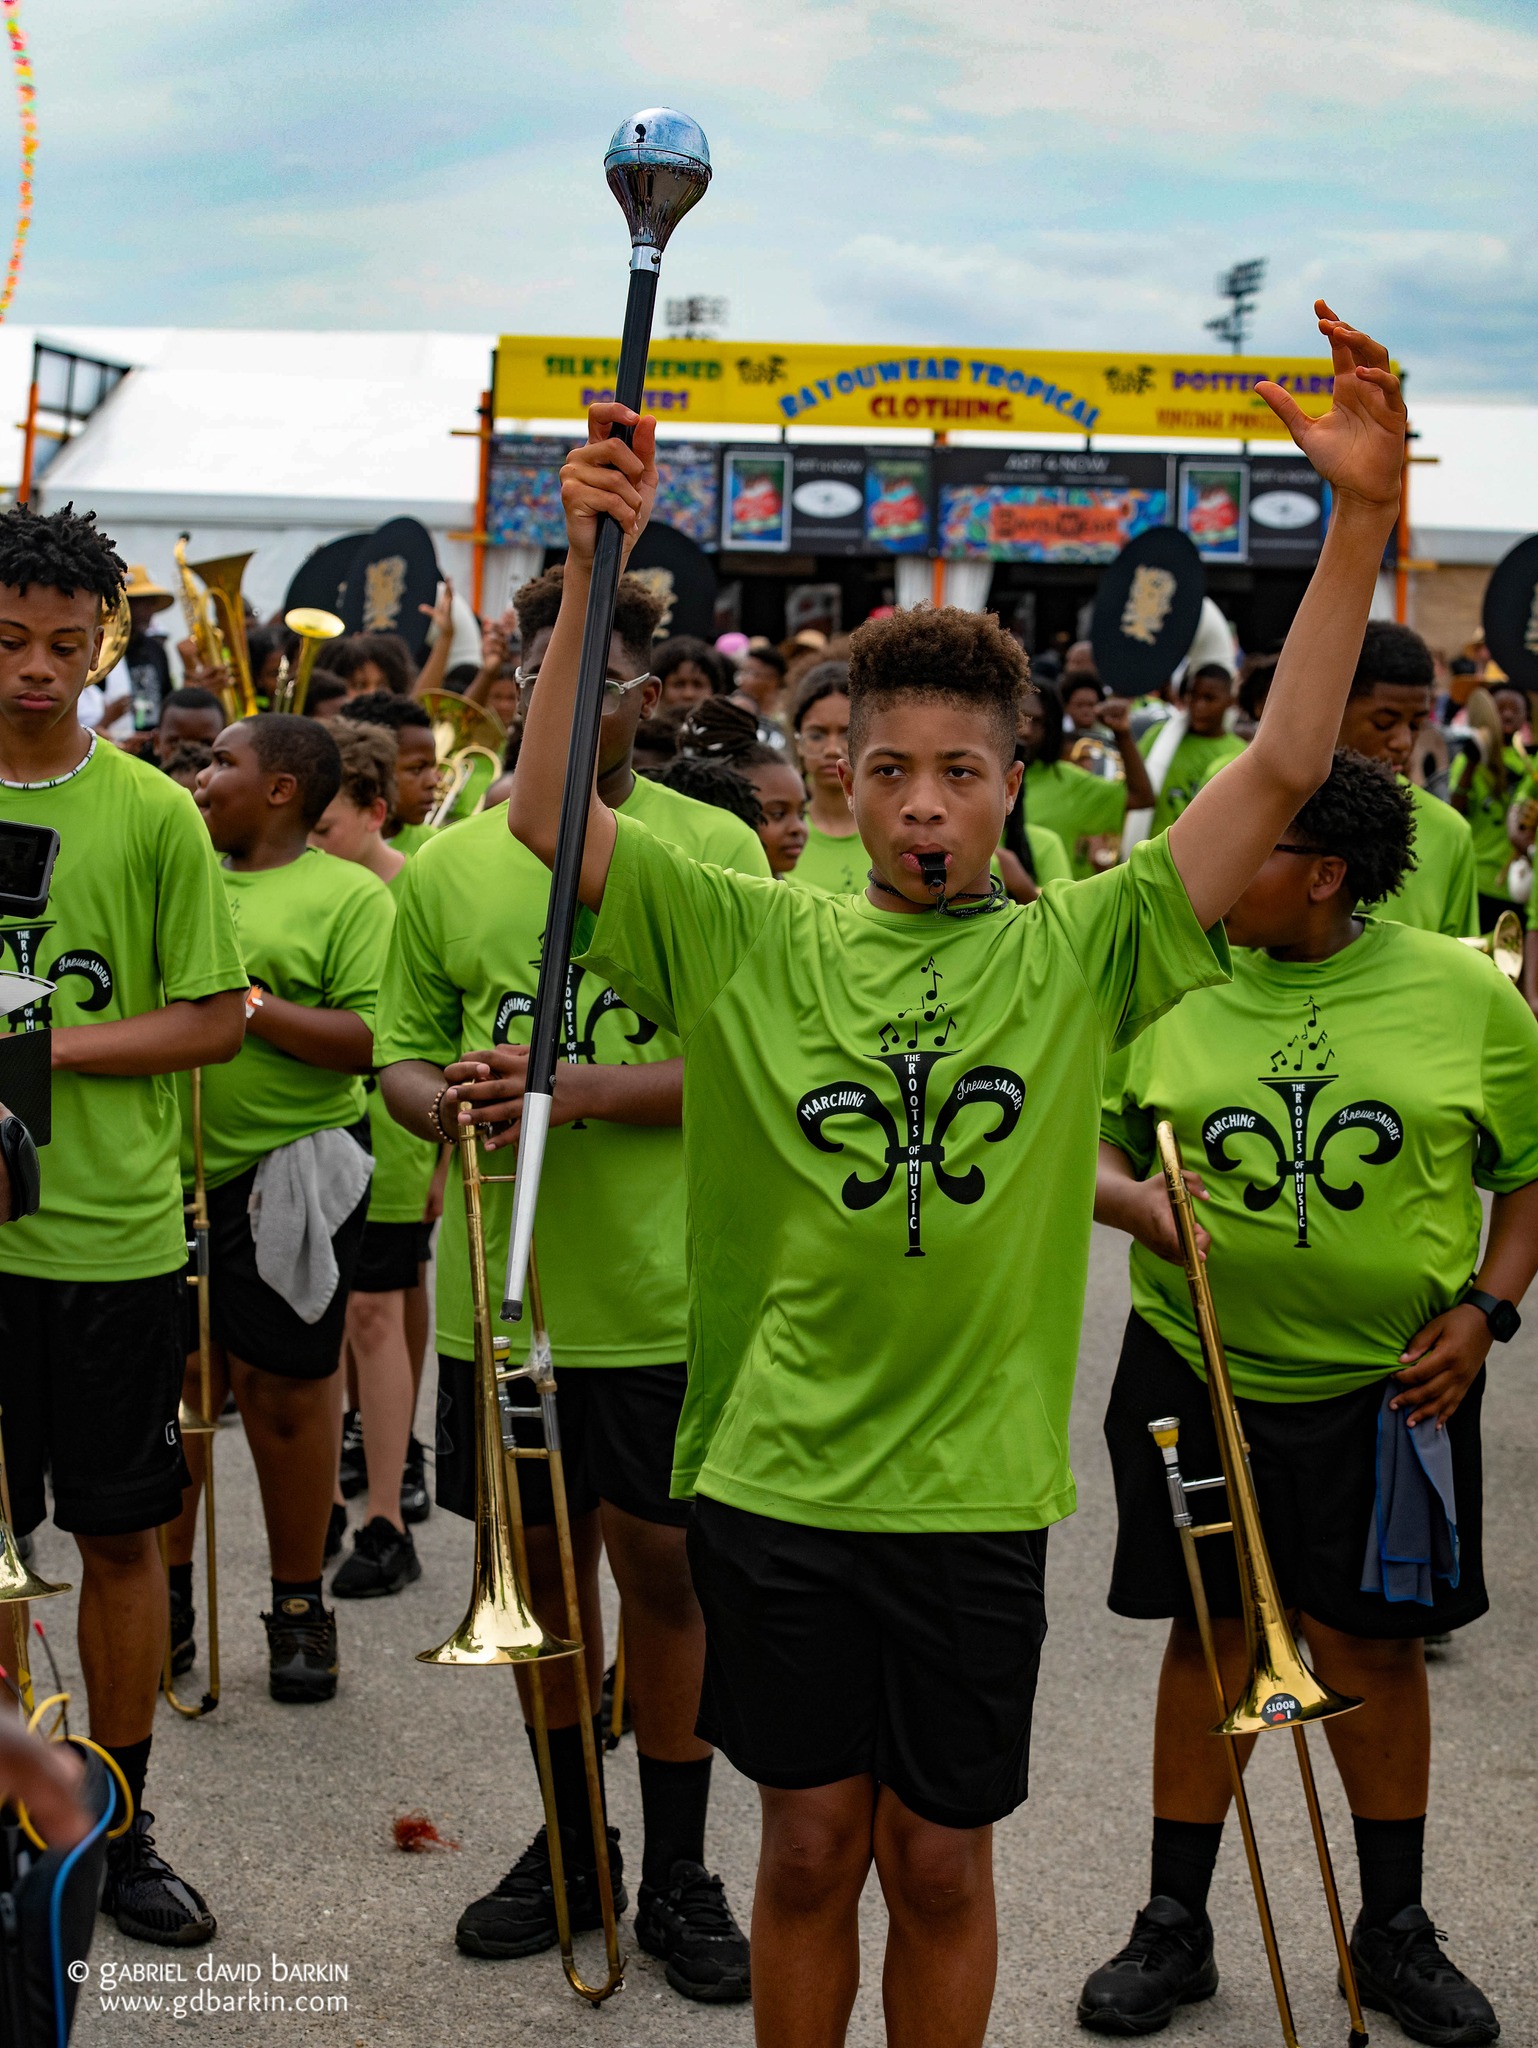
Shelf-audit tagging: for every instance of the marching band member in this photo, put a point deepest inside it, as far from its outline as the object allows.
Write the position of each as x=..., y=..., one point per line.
x=454, y=1019
x=882, y=1094
x=1343, y=1096
x=138, y=937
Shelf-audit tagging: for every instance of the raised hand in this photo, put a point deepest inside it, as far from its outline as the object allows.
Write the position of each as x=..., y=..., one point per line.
x=1358, y=445
x=605, y=476
x=1115, y=714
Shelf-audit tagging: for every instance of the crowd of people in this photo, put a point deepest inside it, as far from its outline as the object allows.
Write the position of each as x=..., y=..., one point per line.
x=886, y=915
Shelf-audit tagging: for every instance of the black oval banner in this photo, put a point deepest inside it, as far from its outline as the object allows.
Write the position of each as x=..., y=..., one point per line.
x=392, y=575
x=1511, y=613
x=1146, y=611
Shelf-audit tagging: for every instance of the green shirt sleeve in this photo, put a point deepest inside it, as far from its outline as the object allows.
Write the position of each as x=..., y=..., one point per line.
x=1507, y=1157
x=194, y=932
x=672, y=931
x=420, y=1006
x=1136, y=939
x=355, y=957
x=1124, y=1122
x=1049, y=854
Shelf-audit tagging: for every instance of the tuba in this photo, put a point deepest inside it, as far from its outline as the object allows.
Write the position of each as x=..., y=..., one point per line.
x=500, y=1626
x=314, y=628
x=1279, y=1690
x=464, y=733
x=225, y=612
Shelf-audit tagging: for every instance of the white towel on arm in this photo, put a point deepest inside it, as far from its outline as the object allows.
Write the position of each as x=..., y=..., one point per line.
x=302, y=1195
x=1140, y=823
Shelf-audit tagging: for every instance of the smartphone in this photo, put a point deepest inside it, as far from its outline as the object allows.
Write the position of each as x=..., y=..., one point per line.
x=27, y=855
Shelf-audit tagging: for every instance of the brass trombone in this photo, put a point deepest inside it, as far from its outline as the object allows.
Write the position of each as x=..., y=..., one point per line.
x=1504, y=944
x=200, y=1421
x=117, y=630
x=224, y=612
x=464, y=733
x=500, y=1626
x=314, y=628
x=1279, y=1689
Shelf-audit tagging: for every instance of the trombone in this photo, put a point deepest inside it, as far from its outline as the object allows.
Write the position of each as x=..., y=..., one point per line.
x=500, y=1626
x=18, y=1584
x=1279, y=1690
x=464, y=734
x=314, y=628
x=200, y=1421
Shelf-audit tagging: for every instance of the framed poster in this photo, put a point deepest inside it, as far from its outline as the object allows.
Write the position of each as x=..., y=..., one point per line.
x=1046, y=505
x=1214, y=509
x=755, y=499
x=897, y=504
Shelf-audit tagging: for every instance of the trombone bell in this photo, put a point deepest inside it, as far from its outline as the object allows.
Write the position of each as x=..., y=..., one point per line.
x=1504, y=944
x=17, y=1579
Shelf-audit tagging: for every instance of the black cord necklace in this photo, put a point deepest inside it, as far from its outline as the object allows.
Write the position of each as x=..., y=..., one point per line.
x=976, y=906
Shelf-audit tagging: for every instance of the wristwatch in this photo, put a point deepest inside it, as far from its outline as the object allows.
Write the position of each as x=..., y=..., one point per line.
x=1500, y=1315
x=21, y=1163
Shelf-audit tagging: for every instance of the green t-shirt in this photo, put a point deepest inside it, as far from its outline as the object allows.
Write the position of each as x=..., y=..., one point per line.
x=1049, y=855
x=1339, y=1114
x=135, y=919
x=890, y=1129
x=463, y=966
x=403, y=1165
x=1439, y=894
x=1486, y=815
x=1197, y=759
x=412, y=838
x=835, y=867
x=1075, y=805
x=314, y=932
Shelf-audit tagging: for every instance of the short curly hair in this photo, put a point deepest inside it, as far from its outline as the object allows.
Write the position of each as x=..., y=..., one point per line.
x=384, y=707
x=62, y=551
x=1363, y=814
x=946, y=655
x=368, y=763
x=1394, y=654
x=637, y=610
x=303, y=748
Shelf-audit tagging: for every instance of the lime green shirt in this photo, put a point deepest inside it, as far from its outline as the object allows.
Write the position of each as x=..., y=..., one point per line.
x=412, y=838
x=314, y=932
x=135, y=919
x=1486, y=816
x=890, y=1130
x=403, y=1165
x=1340, y=1114
x=835, y=867
x=1075, y=805
x=1439, y=894
x=1197, y=759
x=463, y=966
x=1049, y=855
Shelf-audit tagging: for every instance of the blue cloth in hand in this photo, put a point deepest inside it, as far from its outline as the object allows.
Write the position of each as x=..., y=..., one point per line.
x=1414, y=1533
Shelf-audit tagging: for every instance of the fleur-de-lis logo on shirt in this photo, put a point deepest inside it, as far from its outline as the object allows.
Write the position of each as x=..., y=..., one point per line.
x=23, y=942
x=1297, y=1161
x=578, y=1024
x=912, y=1047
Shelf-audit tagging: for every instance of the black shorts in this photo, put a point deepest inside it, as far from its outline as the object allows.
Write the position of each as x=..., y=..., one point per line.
x=1315, y=1468
x=832, y=1653
x=617, y=1428
x=90, y=1378
x=253, y=1320
x=392, y=1257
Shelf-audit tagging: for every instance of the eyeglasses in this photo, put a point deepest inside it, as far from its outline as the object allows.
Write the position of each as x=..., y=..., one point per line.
x=526, y=678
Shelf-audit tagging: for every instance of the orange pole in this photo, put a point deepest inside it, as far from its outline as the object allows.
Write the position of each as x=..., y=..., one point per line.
x=1402, y=543
x=482, y=506
x=28, y=446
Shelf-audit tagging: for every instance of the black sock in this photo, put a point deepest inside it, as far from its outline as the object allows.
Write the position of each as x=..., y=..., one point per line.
x=181, y=1579
x=296, y=1589
x=569, y=1772
x=1388, y=1856
x=674, y=1798
x=1185, y=1853
x=133, y=1760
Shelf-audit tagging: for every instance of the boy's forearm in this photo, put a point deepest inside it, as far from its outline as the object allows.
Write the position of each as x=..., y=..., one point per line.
x=410, y=1088
x=338, y=1040
x=202, y=1033
x=1140, y=791
x=1115, y=1183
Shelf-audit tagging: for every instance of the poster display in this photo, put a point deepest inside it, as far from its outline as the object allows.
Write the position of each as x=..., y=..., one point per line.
x=852, y=500
x=755, y=499
x=1036, y=505
x=1214, y=509
x=524, y=493
x=1289, y=511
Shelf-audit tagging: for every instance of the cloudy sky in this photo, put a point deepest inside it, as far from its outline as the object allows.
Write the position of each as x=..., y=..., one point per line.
x=1005, y=172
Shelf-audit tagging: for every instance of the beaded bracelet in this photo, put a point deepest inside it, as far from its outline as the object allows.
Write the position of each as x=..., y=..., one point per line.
x=448, y=1137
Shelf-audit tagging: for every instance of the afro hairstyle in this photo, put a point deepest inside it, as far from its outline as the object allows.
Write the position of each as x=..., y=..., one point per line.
x=945, y=655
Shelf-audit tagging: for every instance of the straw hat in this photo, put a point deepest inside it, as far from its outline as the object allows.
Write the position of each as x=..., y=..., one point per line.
x=140, y=584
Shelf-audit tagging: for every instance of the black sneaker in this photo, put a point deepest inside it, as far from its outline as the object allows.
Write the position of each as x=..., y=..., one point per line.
x=416, y=1503
x=353, y=1470
x=184, y=1648
x=518, y=1918
x=1400, y=1969
x=1167, y=1963
x=383, y=1560
x=145, y=1896
x=301, y=1652
x=690, y=1926
x=336, y=1529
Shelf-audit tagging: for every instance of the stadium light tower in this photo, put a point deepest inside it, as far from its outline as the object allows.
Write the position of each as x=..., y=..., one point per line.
x=1241, y=286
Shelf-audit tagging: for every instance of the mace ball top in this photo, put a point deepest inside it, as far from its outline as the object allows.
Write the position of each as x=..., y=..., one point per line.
x=658, y=166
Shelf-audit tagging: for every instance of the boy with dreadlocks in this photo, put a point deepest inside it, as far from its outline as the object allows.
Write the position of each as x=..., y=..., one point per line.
x=891, y=1105
x=138, y=938
x=454, y=1020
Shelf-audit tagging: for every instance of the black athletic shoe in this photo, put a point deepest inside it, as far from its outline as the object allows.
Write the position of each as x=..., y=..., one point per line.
x=518, y=1918
x=353, y=1470
x=1167, y=1963
x=416, y=1502
x=184, y=1648
x=301, y=1652
x=145, y=1896
x=690, y=1926
x=336, y=1529
x=1400, y=1969
x=383, y=1560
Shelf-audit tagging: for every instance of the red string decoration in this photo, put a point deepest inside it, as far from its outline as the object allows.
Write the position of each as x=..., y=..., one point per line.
x=418, y=1836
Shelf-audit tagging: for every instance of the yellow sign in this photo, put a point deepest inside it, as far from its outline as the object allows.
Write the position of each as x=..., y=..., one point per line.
x=1006, y=391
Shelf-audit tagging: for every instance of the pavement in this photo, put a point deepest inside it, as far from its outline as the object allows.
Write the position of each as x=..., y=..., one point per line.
x=283, y=1815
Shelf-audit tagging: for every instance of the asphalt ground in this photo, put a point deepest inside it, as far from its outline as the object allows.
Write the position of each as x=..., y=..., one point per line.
x=283, y=1816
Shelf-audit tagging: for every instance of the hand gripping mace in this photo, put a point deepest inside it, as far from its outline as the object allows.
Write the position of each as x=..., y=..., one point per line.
x=658, y=166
